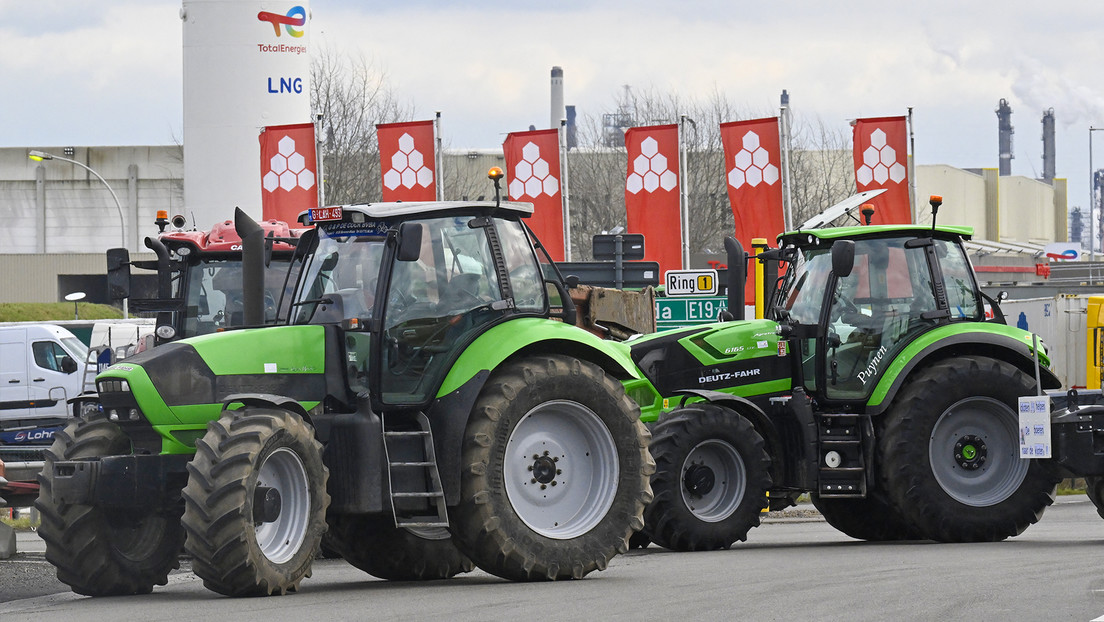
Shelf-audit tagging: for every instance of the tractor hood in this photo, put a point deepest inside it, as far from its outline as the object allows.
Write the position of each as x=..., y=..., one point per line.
x=186, y=382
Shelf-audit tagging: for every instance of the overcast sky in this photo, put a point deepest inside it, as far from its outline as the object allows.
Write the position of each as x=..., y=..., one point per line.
x=109, y=72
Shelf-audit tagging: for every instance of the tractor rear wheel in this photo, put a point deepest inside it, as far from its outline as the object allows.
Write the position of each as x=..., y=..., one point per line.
x=100, y=551
x=255, y=503
x=555, y=471
x=711, y=481
x=376, y=546
x=874, y=518
x=951, y=453
x=1094, y=488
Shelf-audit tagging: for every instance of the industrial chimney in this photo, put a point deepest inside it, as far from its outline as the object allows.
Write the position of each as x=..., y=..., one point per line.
x=1048, y=146
x=557, y=98
x=1004, y=128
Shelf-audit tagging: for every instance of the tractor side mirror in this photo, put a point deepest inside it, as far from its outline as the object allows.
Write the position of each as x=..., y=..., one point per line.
x=843, y=257
x=410, y=241
x=118, y=273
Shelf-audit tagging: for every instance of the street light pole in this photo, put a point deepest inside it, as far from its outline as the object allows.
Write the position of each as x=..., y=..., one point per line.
x=1092, y=196
x=42, y=155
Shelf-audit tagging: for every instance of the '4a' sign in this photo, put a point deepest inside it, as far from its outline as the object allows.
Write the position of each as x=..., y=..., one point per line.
x=690, y=282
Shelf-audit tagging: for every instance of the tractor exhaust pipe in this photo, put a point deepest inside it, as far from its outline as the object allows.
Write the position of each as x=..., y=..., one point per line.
x=253, y=252
x=737, y=275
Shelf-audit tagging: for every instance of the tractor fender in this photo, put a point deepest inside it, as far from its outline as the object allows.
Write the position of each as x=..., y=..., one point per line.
x=266, y=399
x=535, y=335
x=1005, y=343
x=750, y=411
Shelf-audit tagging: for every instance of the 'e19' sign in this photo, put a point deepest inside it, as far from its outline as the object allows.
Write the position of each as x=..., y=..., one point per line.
x=285, y=85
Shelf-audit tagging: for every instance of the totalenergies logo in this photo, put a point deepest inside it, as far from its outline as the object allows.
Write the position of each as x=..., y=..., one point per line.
x=296, y=17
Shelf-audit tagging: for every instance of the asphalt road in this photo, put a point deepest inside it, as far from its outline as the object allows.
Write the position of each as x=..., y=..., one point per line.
x=790, y=569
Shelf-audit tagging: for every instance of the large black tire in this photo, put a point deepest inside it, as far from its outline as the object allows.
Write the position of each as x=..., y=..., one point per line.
x=711, y=480
x=555, y=471
x=235, y=551
x=874, y=518
x=1094, y=488
x=377, y=547
x=99, y=551
x=951, y=453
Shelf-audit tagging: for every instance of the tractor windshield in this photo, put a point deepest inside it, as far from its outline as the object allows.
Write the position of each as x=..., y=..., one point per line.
x=213, y=295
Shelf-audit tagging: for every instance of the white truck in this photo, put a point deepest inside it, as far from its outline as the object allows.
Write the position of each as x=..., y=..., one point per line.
x=42, y=366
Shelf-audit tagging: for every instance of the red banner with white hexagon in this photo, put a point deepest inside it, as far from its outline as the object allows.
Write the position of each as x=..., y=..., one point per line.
x=881, y=161
x=289, y=171
x=652, y=193
x=407, y=161
x=752, y=167
x=533, y=176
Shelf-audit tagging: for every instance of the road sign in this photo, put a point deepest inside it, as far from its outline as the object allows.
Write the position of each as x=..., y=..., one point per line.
x=690, y=282
x=680, y=312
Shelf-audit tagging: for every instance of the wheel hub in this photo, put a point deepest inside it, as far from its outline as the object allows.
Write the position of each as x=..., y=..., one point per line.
x=970, y=452
x=266, y=504
x=699, y=480
x=544, y=469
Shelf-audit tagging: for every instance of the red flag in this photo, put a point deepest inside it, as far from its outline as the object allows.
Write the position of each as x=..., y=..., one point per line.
x=652, y=192
x=752, y=163
x=289, y=171
x=407, y=161
x=533, y=175
x=881, y=161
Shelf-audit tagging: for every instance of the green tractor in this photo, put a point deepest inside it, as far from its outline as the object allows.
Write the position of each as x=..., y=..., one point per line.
x=876, y=384
x=427, y=406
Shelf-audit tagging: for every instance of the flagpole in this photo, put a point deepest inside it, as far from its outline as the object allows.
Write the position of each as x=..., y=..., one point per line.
x=684, y=198
x=787, y=197
x=319, y=160
x=438, y=158
x=561, y=141
x=912, y=168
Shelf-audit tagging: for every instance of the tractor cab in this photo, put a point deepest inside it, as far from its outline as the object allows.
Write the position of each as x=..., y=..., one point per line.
x=412, y=284
x=854, y=297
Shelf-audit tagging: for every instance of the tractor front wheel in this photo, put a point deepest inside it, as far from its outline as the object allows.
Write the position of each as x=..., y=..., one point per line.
x=100, y=551
x=555, y=471
x=255, y=503
x=951, y=453
x=711, y=481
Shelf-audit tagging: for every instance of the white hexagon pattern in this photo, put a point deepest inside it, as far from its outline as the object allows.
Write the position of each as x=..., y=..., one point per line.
x=752, y=164
x=879, y=162
x=287, y=169
x=532, y=175
x=408, y=167
x=649, y=170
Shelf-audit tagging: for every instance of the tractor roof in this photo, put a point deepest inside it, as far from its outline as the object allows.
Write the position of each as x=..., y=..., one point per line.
x=407, y=210
x=815, y=237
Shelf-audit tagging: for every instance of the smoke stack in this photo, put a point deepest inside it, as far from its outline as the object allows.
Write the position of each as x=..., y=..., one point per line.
x=1048, y=146
x=1004, y=128
x=557, y=98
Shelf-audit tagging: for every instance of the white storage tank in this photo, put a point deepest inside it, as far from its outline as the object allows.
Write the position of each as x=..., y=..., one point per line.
x=246, y=66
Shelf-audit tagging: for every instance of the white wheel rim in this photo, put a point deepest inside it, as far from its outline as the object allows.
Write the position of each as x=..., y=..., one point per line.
x=730, y=481
x=561, y=469
x=279, y=540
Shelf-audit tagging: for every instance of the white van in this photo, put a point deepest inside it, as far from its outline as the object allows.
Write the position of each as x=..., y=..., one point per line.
x=41, y=366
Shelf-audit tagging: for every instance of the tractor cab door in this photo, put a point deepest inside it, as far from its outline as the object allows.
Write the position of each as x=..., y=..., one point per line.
x=873, y=313
x=850, y=328
x=437, y=300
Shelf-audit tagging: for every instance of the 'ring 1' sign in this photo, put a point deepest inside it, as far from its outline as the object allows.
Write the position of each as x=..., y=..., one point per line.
x=690, y=282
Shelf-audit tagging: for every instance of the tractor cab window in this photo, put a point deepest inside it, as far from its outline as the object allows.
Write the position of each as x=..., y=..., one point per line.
x=526, y=274
x=962, y=293
x=873, y=313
